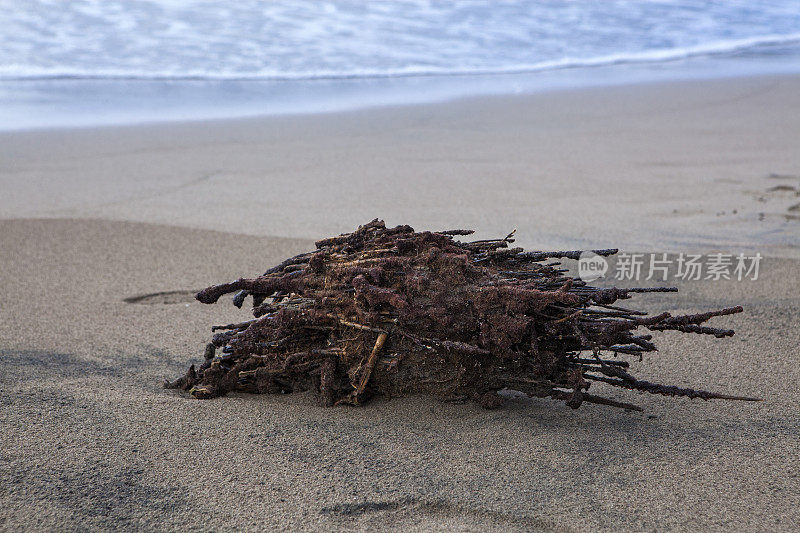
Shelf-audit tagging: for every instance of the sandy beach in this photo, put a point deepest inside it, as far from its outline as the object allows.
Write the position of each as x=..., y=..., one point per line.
x=106, y=233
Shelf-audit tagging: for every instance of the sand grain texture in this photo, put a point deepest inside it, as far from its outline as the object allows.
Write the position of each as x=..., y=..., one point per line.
x=90, y=440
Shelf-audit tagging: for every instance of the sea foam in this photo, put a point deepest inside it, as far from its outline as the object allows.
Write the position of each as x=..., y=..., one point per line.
x=296, y=40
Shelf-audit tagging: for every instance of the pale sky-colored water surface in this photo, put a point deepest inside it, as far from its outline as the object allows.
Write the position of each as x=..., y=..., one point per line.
x=101, y=61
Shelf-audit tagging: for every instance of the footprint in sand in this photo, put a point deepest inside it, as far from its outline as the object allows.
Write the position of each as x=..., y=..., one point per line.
x=777, y=176
x=782, y=188
x=782, y=193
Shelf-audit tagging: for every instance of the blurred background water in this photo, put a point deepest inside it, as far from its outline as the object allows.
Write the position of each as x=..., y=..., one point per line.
x=86, y=62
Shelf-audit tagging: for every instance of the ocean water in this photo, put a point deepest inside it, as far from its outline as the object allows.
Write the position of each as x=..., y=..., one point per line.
x=101, y=61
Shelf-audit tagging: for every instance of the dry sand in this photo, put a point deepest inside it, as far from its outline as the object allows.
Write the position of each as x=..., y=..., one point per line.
x=92, y=217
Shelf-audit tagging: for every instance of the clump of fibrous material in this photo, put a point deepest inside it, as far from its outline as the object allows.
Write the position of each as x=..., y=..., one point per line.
x=390, y=311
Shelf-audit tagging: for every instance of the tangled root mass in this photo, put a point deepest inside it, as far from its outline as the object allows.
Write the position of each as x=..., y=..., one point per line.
x=390, y=311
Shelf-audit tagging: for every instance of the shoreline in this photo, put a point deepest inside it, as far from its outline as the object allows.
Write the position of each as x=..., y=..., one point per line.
x=45, y=104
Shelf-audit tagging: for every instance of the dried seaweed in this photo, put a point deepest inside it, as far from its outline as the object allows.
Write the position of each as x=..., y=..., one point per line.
x=390, y=311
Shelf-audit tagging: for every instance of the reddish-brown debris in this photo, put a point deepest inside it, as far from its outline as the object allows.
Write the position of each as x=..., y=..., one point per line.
x=392, y=311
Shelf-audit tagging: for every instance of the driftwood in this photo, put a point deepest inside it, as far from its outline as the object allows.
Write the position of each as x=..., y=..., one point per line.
x=390, y=311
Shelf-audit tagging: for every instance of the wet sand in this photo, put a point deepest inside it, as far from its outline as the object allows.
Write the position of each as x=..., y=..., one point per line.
x=107, y=232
